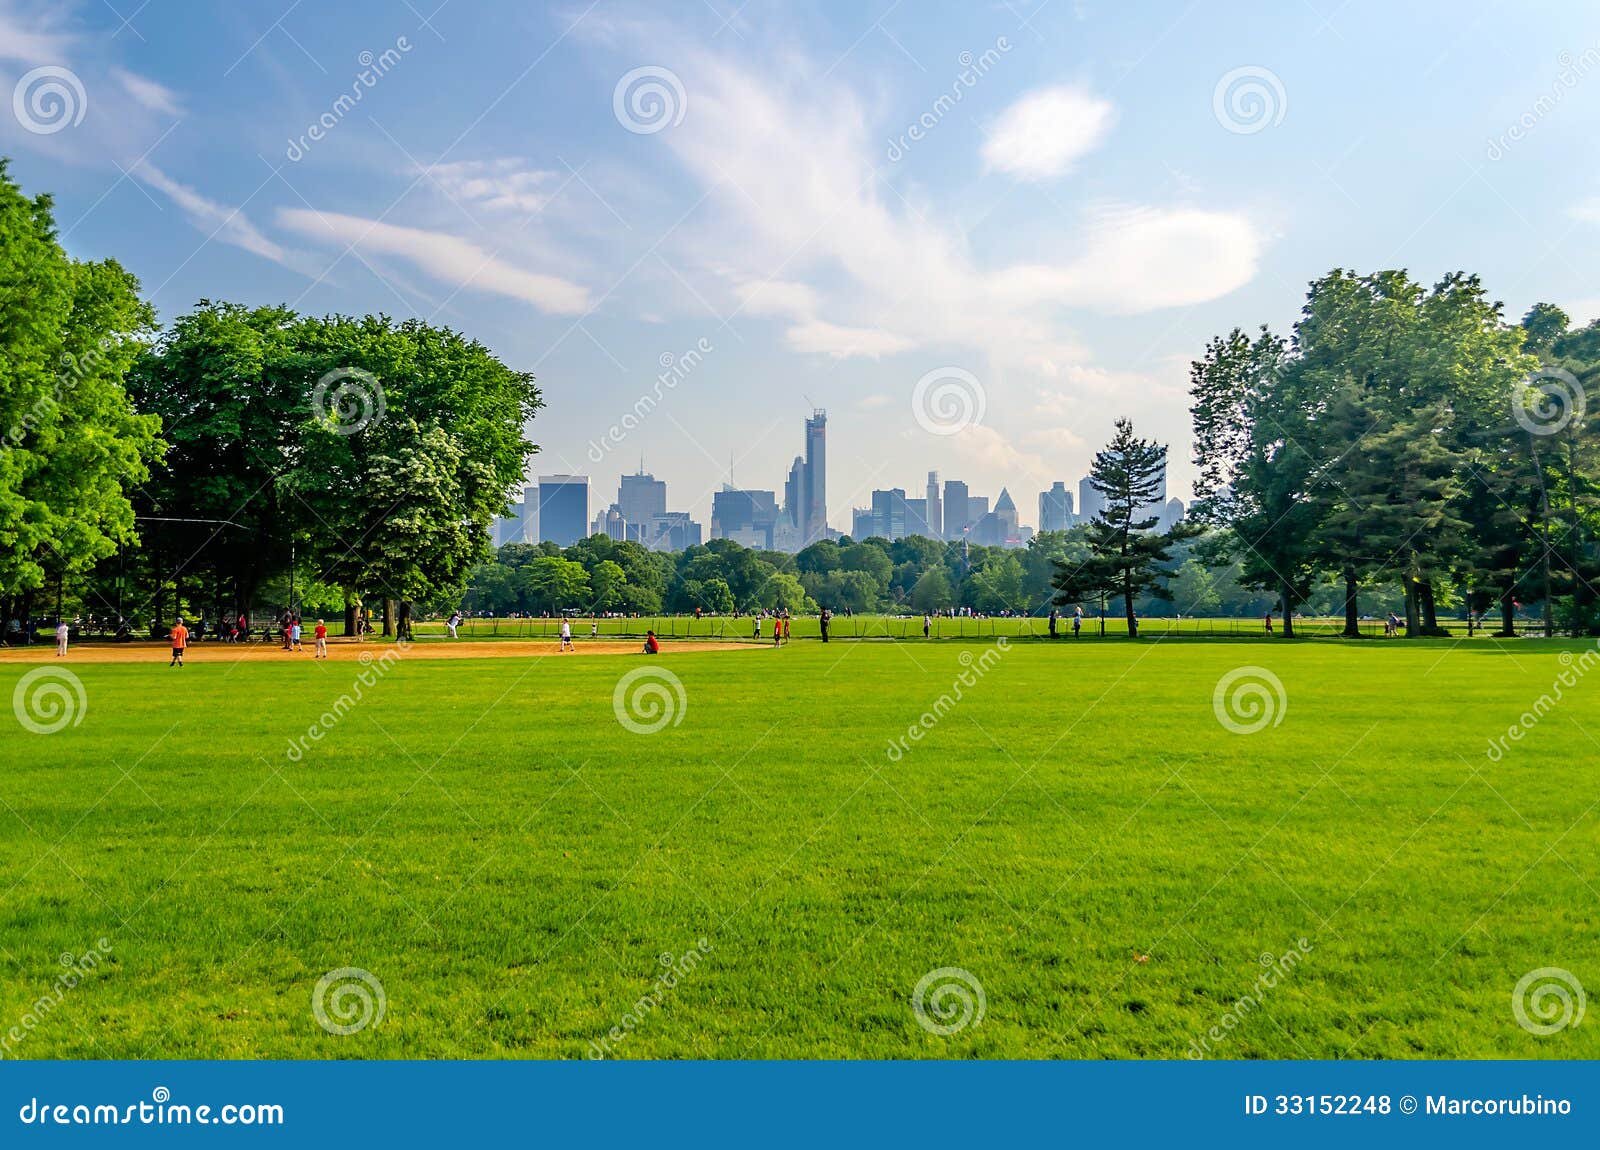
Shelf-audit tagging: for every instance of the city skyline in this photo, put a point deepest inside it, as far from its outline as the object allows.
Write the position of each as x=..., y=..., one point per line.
x=758, y=518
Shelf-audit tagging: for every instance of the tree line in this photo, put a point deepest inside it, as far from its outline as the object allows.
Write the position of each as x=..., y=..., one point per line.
x=1401, y=438
x=1403, y=447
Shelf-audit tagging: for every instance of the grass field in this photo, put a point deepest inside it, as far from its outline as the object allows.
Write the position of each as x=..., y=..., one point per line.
x=1078, y=833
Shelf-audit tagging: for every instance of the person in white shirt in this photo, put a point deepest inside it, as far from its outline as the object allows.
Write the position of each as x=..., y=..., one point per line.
x=566, y=637
x=61, y=637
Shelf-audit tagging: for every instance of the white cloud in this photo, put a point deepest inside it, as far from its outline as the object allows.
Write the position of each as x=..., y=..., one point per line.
x=147, y=93
x=28, y=42
x=820, y=337
x=777, y=297
x=498, y=185
x=229, y=225
x=447, y=258
x=1042, y=134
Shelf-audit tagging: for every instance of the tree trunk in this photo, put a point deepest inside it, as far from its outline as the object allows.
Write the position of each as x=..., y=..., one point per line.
x=1413, y=619
x=1508, y=612
x=388, y=617
x=1287, y=601
x=1127, y=603
x=1352, y=615
x=349, y=615
x=1430, y=615
x=403, y=631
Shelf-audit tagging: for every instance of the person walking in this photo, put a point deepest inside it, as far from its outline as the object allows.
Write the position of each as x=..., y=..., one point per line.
x=823, y=623
x=1053, y=618
x=62, y=634
x=927, y=624
x=321, y=634
x=1267, y=619
x=180, y=640
x=1077, y=621
x=294, y=634
x=786, y=628
x=566, y=636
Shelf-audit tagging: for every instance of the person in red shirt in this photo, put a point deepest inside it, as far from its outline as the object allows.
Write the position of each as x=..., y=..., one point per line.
x=652, y=645
x=180, y=640
x=322, y=639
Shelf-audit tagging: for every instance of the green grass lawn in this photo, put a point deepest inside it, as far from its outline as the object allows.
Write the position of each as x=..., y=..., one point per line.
x=1078, y=832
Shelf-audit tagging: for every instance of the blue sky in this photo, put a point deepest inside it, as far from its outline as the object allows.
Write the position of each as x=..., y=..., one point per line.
x=1115, y=184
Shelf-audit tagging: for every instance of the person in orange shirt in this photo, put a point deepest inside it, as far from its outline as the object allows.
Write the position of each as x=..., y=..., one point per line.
x=180, y=640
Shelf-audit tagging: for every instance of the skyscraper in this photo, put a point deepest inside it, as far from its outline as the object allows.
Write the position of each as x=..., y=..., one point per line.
x=1055, y=508
x=563, y=502
x=640, y=498
x=1090, y=501
x=889, y=513
x=748, y=517
x=955, y=508
x=815, y=490
x=935, y=515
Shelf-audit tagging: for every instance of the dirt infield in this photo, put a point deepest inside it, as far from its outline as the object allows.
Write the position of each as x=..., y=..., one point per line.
x=349, y=651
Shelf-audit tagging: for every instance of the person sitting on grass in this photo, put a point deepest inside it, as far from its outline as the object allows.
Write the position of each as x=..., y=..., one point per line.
x=652, y=645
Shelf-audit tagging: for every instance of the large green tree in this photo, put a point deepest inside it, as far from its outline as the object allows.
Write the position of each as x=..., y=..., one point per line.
x=74, y=446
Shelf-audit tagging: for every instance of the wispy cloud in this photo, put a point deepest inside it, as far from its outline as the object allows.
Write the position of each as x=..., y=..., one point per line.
x=1045, y=132
x=229, y=225
x=147, y=93
x=445, y=257
x=497, y=185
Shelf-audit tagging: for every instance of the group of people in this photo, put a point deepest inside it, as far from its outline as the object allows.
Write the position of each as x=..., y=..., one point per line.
x=780, y=627
x=1055, y=622
x=289, y=626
